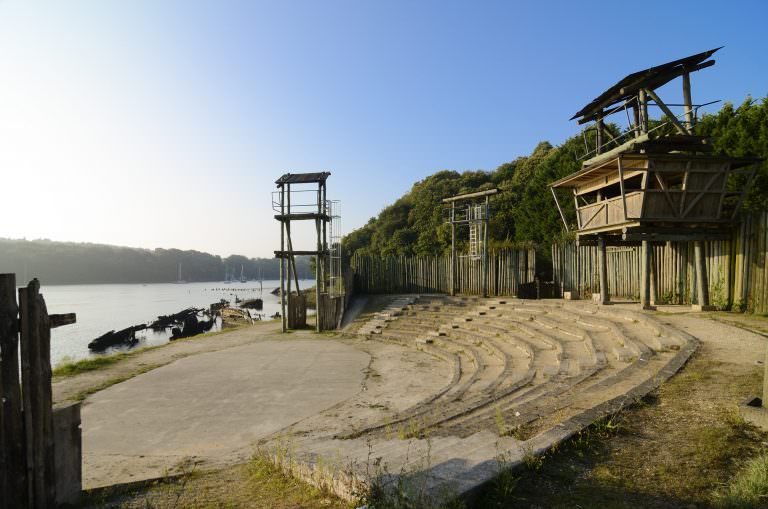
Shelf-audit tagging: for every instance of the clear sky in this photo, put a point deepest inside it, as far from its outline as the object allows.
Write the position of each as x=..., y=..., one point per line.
x=165, y=123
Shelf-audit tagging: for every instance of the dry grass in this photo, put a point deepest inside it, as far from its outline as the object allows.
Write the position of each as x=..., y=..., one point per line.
x=256, y=484
x=674, y=448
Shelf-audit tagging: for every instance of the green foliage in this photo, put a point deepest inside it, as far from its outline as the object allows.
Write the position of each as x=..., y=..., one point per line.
x=742, y=132
x=70, y=262
x=525, y=210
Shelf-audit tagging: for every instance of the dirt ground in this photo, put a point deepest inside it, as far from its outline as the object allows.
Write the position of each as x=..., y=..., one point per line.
x=674, y=448
x=72, y=388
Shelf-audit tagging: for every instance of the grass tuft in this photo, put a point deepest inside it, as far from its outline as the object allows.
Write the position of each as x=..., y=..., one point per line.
x=748, y=488
x=70, y=368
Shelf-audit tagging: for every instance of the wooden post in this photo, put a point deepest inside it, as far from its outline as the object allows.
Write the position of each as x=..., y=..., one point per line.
x=318, y=262
x=687, y=101
x=37, y=398
x=289, y=259
x=283, y=296
x=603, y=267
x=643, y=100
x=636, y=119
x=485, y=248
x=453, y=248
x=765, y=380
x=599, y=138
x=653, y=287
x=13, y=487
x=645, y=275
x=702, y=289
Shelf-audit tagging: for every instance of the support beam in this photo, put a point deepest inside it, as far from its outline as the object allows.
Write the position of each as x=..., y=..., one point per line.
x=13, y=475
x=485, y=248
x=283, y=296
x=645, y=275
x=600, y=129
x=668, y=112
x=643, y=102
x=702, y=288
x=687, y=101
x=636, y=119
x=453, y=248
x=603, y=267
x=653, y=277
x=765, y=379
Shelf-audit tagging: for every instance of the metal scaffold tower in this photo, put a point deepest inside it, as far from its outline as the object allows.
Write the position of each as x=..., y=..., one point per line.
x=336, y=281
x=470, y=210
x=301, y=197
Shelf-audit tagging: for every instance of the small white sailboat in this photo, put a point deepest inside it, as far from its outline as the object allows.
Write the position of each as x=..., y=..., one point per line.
x=242, y=276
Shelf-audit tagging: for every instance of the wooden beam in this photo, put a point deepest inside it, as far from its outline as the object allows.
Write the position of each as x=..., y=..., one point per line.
x=283, y=295
x=687, y=100
x=621, y=187
x=600, y=128
x=560, y=210
x=61, y=320
x=673, y=237
x=599, y=209
x=681, y=129
x=605, y=298
x=467, y=196
x=645, y=275
x=702, y=288
x=35, y=340
x=13, y=474
x=643, y=102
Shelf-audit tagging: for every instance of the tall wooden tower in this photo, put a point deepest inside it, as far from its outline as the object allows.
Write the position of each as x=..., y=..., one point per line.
x=301, y=197
x=658, y=181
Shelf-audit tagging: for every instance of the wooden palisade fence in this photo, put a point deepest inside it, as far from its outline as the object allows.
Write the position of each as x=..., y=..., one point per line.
x=432, y=274
x=736, y=269
x=40, y=454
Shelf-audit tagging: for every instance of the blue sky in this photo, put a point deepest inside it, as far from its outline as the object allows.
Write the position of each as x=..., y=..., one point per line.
x=165, y=124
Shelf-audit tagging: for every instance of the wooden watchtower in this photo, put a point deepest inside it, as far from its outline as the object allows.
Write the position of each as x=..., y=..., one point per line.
x=471, y=210
x=301, y=197
x=649, y=185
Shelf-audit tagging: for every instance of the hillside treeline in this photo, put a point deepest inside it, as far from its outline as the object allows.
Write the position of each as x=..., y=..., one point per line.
x=525, y=211
x=75, y=263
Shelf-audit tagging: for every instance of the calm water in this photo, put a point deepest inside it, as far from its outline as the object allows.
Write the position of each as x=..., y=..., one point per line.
x=101, y=308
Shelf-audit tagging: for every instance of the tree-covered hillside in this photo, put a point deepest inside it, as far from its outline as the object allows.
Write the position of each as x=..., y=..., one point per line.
x=69, y=262
x=525, y=210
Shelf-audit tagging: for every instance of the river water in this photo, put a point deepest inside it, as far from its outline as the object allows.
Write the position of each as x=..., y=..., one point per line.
x=101, y=308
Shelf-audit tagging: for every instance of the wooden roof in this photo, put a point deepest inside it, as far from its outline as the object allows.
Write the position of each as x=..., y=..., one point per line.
x=650, y=78
x=303, y=178
x=469, y=196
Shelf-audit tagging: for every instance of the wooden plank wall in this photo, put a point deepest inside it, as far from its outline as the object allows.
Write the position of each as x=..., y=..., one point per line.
x=297, y=311
x=432, y=274
x=736, y=269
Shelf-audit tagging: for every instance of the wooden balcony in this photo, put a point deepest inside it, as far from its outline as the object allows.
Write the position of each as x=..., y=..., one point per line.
x=675, y=191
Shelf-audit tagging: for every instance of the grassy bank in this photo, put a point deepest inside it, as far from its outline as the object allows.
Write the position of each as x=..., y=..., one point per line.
x=255, y=484
x=69, y=367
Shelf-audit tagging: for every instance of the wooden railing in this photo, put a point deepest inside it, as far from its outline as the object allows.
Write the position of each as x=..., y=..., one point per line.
x=611, y=211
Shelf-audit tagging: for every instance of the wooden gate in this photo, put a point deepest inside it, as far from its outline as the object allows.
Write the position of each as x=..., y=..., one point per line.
x=40, y=454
